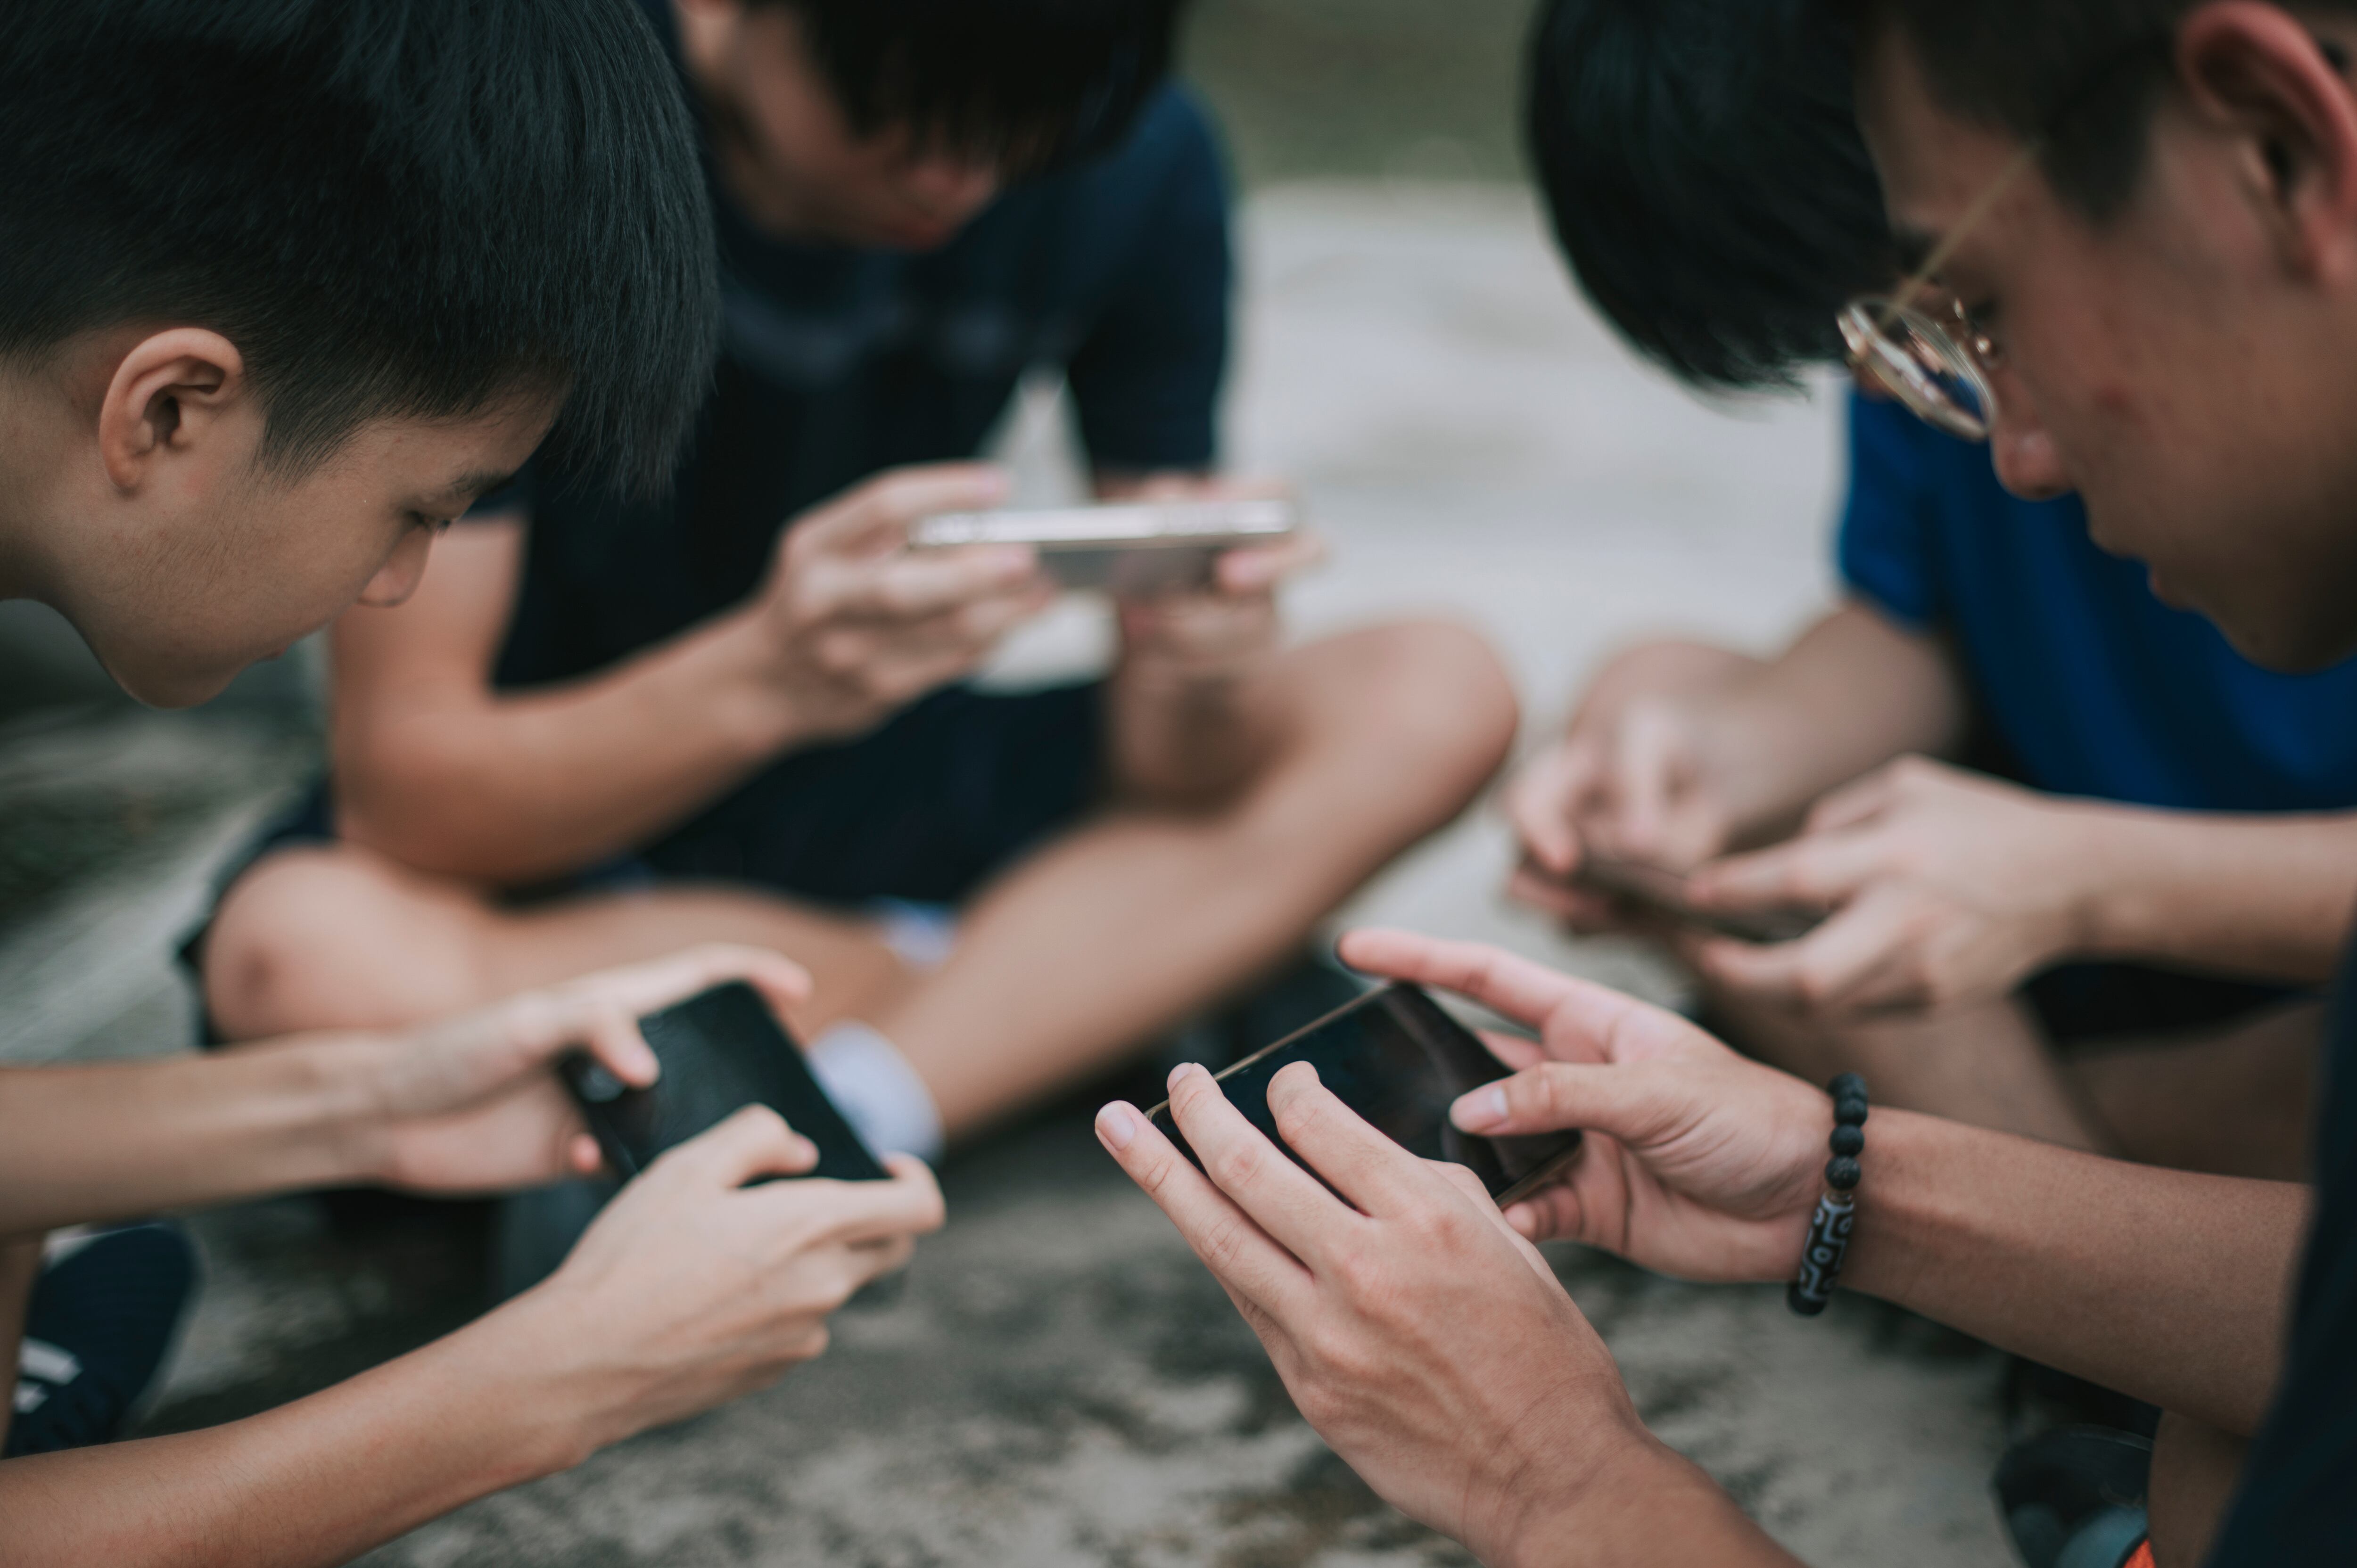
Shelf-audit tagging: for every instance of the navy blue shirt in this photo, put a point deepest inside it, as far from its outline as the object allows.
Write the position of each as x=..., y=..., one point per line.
x=839, y=363
x=2297, y=1505
x=2094, y=686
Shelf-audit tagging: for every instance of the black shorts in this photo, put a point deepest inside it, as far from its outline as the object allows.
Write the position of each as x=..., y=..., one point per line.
x=925, y=808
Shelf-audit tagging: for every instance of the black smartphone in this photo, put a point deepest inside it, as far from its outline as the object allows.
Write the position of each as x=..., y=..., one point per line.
x=720, y=1052
x=1397, y=1059
x=1663, y=893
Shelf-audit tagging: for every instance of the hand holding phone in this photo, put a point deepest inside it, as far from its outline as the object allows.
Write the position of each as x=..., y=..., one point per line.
x=1663, y=893
x=719, y=1052
x=1399, y=1060
x=1132, y=549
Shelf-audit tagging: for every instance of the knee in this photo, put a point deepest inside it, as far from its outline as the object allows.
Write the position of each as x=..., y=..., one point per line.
x=320, y=938
x=1437, y=700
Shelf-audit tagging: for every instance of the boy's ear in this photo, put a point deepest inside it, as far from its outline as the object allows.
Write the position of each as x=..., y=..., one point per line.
x=2254, y=69
x=168, y=393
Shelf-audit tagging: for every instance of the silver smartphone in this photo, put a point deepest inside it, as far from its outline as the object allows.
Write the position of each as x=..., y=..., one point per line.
x=1132, y=549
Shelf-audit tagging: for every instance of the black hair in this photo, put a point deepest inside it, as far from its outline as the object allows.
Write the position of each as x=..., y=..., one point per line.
x=1031, y=82
x=1702, y=166
x=2084, y=75
x=393, y=208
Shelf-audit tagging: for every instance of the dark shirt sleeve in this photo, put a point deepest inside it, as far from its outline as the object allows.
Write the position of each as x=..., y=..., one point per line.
x=2297, y=1504
x=1886, y=549
x=1145, y=382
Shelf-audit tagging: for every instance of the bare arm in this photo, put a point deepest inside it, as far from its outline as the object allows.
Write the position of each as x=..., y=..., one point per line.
x=2168, y=1285
x=442, y=771
x=2266, y=896
x=691, y=1289
x=1678, y=754
x=465, y=1105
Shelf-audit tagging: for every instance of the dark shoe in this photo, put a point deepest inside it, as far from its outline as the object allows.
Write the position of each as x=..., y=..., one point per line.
x=2075, y=1498
x=102, y=1316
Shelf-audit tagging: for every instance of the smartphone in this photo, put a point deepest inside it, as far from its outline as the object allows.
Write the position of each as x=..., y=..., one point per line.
x=720, y=1052
x=1663, y=893
x=1398, y=1060
x=1132, y=549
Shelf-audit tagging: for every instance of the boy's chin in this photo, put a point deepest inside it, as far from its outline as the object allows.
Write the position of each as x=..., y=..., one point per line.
x=174, y=683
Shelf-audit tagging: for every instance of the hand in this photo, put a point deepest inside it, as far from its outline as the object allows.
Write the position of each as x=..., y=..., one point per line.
x=692, y=1288
x=471, y=1104
x=1652, y=777
x=1946, y=887
x=1426, y=1342
x=856, y=626
x=1189, y=640
x=1697, y=1162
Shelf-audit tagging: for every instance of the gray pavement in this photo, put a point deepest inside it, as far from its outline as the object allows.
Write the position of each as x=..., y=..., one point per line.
x=1057, y=1382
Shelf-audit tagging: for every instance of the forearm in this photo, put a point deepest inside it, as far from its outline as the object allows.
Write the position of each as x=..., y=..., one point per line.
x=316, y=1482
x=2164, y=1284
x=117, y=1140
x=531, y=784
x=1855, y=692
x=1647, y=1507
x=2264, y=895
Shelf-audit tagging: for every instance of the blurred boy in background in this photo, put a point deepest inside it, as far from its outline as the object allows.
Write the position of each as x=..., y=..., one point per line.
x=600, y=729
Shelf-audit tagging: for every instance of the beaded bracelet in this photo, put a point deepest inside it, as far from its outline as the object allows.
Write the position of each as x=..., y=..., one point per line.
x=1828, y=1244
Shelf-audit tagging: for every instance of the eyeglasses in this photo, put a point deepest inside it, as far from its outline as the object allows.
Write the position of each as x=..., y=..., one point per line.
x=1921, y=345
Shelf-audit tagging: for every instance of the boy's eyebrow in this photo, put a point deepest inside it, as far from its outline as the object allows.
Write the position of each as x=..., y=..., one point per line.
x=468, y=488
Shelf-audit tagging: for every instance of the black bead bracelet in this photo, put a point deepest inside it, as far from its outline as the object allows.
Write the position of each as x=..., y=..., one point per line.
x=1828, y=1244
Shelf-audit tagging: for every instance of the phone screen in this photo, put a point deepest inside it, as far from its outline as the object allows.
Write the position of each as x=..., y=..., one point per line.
x=720, y=1052
x=1399, y=1060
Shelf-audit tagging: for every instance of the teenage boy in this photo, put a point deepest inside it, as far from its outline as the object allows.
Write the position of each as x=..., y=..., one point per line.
x=2152, y=210
x=2189, y=807
x=282, y=287
x=697, y=719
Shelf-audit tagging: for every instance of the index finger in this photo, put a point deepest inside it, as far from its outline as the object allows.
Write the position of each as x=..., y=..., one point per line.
x=1366, y=1167
x=1252, y=568
x=849, y=1213
x=1816, y=871
x=1507, y=985
x=1243, y=1257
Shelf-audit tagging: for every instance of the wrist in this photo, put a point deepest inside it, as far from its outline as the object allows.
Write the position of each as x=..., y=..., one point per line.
x=1910, y=1193
x=2111, y=901
x=533, y=1351
x=1621, y=1511
x=751, y=695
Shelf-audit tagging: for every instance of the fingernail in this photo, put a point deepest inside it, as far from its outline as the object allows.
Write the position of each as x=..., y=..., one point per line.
x=1482, y=1108
x=1116, y=1126
x=1181, y=1070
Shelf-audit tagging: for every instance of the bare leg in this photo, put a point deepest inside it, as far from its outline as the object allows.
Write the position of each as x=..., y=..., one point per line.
x=2231, y=1101
x=338, y=936
x=1986, y=1064
x=1066, y=962
x=2195, y=1469
x=1120, y=928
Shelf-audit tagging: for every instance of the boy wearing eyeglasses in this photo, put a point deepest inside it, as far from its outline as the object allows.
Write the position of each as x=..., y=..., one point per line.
x=2086, y=863
x=2168, y=262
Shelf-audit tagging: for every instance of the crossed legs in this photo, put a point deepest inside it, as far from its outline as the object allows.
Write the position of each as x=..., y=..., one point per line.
x=1063, y=963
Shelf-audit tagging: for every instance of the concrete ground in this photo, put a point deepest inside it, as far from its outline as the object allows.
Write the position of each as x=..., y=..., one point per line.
x=1058, y=1382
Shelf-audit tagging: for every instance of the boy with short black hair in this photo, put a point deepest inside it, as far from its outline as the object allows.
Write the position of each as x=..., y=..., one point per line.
x=2192, y=810
x=284, y=287
x=600, y=726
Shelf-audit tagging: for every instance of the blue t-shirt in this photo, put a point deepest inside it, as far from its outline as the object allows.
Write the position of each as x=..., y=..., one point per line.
x=839, y=363
x=2094, y=686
